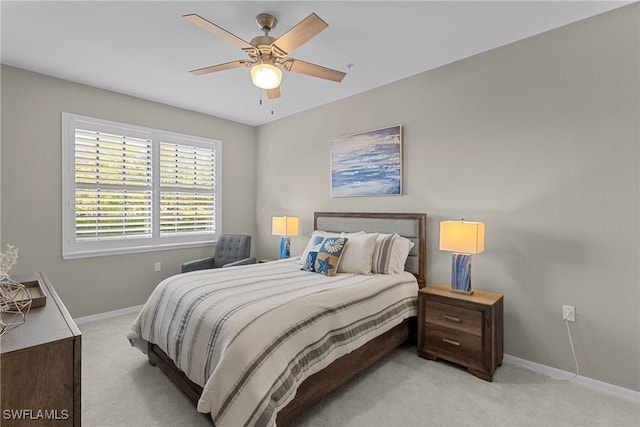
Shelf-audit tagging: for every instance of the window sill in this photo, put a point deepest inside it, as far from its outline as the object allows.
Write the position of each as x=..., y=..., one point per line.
x=135, y=250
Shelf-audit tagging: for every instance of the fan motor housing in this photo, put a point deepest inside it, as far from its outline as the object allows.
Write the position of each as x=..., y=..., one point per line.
x=266, y=21
x=260, y=41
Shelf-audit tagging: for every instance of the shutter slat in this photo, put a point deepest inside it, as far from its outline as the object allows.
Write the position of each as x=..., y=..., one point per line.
x=113, y=160
x=114, y=187
x=185, y=213
x=186, y=167
x=108, y=214
x=190, y=172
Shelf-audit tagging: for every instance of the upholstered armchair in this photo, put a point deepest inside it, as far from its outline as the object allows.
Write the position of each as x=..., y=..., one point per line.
x=231, y=249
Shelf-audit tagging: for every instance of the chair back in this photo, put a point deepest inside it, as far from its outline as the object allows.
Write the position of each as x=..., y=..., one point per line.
x=230, y=248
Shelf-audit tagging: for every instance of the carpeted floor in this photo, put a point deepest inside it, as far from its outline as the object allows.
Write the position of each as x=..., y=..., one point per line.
x=119, y=388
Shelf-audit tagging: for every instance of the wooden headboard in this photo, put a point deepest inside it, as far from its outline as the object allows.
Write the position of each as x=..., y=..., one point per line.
x=413, y=226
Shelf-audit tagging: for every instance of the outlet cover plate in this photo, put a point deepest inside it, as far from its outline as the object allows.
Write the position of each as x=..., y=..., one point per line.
x=569, y=313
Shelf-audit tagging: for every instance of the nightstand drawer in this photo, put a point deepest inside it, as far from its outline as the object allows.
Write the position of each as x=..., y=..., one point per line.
x=461, y=319
x=454, y=342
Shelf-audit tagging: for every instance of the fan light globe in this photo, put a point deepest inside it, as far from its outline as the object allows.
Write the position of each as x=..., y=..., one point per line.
x=266, y=76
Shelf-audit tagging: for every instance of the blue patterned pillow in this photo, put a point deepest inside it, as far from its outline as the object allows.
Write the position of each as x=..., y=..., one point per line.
x=325, y=255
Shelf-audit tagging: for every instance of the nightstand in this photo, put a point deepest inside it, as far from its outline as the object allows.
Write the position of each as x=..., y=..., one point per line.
x=463, y=329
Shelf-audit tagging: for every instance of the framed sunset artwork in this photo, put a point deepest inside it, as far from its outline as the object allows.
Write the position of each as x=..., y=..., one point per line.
x=367, y=164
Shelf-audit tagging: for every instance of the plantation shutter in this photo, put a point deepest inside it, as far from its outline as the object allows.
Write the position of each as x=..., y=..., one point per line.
x=131, y=189
x=187, y=189
x=113, y=186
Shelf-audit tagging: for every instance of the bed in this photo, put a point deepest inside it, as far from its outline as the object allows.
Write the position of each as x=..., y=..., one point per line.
x=305, y=334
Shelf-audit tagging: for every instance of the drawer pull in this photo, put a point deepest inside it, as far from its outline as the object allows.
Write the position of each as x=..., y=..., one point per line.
x=452, y=342
x=451, y=318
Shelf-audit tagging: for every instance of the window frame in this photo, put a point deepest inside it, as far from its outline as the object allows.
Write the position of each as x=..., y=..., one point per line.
x=72, y=249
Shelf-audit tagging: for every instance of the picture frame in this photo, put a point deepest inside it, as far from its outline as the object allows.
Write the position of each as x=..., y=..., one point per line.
x=367, y=163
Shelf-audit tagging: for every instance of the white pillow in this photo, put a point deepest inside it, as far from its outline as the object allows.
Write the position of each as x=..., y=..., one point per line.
x=358, y=253
x=390, y=253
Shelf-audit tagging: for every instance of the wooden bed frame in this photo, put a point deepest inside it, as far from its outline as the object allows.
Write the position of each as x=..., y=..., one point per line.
x=314, y=388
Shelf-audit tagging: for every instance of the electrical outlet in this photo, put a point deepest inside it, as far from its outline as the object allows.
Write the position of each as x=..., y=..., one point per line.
x=569, y=313
x=157, y=266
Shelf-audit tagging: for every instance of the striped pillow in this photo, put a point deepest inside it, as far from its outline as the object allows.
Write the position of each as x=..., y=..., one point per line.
x=390, y=254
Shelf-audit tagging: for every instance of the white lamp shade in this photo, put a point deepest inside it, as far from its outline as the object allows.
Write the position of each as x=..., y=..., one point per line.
x=463, y=237
x=266, y=76
x=284, y=226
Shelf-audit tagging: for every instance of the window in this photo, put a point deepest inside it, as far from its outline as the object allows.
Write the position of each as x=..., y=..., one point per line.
x=132, y=189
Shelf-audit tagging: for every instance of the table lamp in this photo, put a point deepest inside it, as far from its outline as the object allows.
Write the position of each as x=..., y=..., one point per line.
x=284, y=226
x=463, y=238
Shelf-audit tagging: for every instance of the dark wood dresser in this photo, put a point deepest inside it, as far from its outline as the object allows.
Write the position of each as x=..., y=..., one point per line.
x=463, y=329
x=40, y=366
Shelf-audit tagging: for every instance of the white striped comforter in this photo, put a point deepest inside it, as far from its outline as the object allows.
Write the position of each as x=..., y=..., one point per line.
x=250, y=335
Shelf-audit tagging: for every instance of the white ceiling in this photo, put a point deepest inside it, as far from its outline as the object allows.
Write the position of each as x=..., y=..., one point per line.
x=145, y=48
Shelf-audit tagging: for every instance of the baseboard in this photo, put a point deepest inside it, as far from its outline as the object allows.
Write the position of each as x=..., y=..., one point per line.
x=109, y=314
x=570, y=376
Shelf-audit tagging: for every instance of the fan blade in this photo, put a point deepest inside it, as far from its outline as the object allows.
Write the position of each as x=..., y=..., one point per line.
x=273, y=93
x=304, y=31
x=220, y=67
x=218, y=31
x=313, y=70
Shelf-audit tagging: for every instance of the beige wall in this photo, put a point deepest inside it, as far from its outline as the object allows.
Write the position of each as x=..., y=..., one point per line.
x=31, y=186
x=538, y=139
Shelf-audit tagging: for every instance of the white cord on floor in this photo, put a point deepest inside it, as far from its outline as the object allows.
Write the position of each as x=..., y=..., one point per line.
x=573, y=351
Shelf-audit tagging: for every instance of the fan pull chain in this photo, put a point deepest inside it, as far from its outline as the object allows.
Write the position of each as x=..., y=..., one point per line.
x=260, y=102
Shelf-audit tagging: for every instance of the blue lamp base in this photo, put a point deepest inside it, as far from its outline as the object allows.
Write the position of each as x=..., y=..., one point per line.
x=461, y=273
x=285, y=247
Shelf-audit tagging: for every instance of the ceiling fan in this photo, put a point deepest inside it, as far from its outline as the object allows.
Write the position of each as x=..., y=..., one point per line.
x=268, y=56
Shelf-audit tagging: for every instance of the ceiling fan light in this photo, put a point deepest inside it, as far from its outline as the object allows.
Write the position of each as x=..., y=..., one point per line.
x=266, y=76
